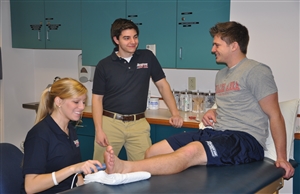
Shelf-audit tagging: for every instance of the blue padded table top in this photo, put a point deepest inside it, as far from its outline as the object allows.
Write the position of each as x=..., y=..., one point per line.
x=246, y=178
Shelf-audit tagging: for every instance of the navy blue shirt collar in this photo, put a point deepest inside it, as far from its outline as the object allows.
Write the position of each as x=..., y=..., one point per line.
x=55, y=127
x=115, y=56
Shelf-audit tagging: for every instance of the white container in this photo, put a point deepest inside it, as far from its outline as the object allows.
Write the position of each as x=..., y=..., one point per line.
x=85, y=73
x=154, y=103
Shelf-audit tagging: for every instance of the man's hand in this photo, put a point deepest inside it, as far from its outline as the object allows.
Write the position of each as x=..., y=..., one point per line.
x=176, y=121
x=289, y=170
x=209, y=118
x=101, y=138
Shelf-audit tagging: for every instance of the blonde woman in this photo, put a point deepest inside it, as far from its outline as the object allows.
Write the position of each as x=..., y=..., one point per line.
x=52, y=160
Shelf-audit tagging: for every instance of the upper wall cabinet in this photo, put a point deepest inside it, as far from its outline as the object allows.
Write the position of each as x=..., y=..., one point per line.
x=48, y=24
x=176, y=30
x=97, y=17
x=194, y=43
x=156, y=21
x=157, y=25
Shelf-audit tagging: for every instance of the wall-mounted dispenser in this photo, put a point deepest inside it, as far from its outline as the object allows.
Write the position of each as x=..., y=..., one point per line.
x=85, y=73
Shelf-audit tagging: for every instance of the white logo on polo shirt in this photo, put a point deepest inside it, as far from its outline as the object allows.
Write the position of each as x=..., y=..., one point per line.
x=142, y=65
x=76, y=142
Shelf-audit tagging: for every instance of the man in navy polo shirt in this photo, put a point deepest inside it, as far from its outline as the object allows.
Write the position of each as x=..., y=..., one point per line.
x=120, y=90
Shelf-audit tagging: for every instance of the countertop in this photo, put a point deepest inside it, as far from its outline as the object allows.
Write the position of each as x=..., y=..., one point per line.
x=31, y=105
x=160, y=116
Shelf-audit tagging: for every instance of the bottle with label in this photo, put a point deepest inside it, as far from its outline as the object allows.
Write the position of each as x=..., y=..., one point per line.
x=154, y=103
x=186, y=106
x=198, y=98
x=209, y=100
x=181, y=101
x=190, y=100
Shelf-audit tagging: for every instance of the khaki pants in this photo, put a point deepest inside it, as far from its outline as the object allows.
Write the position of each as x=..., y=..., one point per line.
x=134, y=135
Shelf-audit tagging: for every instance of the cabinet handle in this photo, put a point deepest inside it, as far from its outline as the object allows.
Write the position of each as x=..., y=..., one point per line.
x=79, y=126
x=180, y=53
x=132, y=16
x=39, y=37
x=48, y=35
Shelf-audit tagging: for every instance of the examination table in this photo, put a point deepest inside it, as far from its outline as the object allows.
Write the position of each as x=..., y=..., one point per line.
x=256, y=177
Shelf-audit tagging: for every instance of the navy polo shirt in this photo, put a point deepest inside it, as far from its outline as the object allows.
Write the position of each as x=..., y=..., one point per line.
x=47, y=148
x=125, y=85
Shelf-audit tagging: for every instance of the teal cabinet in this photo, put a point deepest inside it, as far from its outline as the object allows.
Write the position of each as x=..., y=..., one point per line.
x=97, y=17
x=194, y=43
x=27, y=24
x=296, y=178
x=157, y=25
x=50, y=24
x=178, y=29
x=86, y=135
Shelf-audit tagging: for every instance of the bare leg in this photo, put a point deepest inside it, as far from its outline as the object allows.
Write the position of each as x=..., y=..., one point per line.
x=162, y=147
x=187, y=156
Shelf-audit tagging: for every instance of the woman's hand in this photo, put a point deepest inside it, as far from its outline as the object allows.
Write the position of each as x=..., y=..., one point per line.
x=86, y=167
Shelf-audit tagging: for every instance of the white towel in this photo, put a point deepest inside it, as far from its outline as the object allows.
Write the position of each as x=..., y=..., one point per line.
x=116, y=178
x=202, y=126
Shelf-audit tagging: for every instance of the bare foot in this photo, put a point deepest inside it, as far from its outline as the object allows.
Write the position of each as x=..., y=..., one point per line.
x=113, y=163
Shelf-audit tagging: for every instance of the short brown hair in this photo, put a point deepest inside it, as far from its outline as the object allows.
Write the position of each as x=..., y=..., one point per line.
x=119, y=25
x=232, y=32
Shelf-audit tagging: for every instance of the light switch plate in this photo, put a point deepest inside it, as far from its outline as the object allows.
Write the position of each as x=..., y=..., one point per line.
x=151, y=47
x=191, y=83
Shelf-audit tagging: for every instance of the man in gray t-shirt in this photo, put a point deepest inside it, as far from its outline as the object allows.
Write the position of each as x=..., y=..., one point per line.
x=238, y=92
x=246, y=94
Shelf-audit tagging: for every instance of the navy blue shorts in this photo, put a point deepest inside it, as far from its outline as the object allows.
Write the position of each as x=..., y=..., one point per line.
x=222, y=147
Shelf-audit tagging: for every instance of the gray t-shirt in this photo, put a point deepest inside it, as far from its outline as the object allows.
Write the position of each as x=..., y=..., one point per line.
x=238, y=91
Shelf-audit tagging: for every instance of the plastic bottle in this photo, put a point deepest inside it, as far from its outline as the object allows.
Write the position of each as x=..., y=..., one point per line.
x=148, y=99
x=176, y=95
x=190, y=100
x=186, y=102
